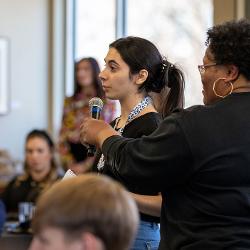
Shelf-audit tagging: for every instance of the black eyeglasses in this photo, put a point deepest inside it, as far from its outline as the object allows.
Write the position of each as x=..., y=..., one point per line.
x=202, y=68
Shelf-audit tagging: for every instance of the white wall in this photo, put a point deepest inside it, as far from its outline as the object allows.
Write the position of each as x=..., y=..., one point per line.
x=25, y=24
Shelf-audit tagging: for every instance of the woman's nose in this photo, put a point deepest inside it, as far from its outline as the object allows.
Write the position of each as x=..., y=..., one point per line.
x=102, y=75
x=34, y=155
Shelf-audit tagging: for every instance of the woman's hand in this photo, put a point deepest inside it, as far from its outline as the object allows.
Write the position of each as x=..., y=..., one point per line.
x=83, y=166
x=95, y=132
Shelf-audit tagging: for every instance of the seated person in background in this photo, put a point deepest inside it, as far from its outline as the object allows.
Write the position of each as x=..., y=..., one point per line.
x=2, y=216
x=7, y=169
x=104, y=216
x=87, y=85
x=40, y=172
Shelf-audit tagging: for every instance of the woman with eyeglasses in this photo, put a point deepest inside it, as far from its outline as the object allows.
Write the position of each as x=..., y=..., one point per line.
x=198, y=157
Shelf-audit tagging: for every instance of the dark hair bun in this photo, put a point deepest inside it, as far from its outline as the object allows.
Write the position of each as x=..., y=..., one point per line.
x=161, y=79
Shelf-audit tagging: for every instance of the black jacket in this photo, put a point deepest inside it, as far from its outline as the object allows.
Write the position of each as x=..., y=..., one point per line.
x=199, y=158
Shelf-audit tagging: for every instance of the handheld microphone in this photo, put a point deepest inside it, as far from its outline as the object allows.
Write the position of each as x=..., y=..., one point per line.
x=95, y=107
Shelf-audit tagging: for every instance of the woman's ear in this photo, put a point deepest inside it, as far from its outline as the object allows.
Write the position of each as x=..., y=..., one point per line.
x=141, y=77
x=232, y=73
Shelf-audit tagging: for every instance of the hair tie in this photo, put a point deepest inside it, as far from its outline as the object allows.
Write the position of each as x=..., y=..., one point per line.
x=163, y=67
x=166, y=65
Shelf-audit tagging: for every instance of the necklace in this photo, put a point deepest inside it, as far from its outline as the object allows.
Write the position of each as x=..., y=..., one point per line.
x=132, y=115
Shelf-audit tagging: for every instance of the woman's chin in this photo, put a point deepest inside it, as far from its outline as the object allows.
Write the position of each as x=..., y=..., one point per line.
x=110, y=97
x=36, y=168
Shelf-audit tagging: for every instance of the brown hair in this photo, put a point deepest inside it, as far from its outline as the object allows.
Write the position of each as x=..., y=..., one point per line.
x=45, y=136
x=89, y=203
x=53, y=173
x=95, y=75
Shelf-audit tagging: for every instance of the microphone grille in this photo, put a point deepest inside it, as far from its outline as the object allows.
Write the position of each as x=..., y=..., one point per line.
x=96, y=101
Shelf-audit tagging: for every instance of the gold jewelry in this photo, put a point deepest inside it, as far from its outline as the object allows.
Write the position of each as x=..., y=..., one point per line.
x=222, y=96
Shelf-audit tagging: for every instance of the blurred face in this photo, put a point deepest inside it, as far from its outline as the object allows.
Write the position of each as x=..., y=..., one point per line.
x=38, y=155
x=116, y=81
x=54, y=239
x=84, y=73
x=210, y=74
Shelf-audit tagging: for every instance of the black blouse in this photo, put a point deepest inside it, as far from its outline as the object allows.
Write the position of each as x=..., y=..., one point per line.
x=143, y=125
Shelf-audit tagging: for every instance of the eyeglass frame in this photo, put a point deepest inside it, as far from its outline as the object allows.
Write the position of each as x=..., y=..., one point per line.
x=202, y=67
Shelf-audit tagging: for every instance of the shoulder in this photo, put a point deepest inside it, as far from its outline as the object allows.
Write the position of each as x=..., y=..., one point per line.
x=190, y=121
x=183, y=118
x=13, y=181
x=187, y=113
x=184, y=111
x=143, y=125
x=151, y=119
x=17, y=181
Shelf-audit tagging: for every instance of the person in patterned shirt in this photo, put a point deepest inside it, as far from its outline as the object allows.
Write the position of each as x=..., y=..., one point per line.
x=72, y=153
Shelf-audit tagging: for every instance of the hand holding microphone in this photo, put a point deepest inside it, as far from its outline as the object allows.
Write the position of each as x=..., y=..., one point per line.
x=95, y=106
x=94, y=131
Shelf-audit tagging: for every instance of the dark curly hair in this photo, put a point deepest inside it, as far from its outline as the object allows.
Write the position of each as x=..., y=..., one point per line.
x=230, y=44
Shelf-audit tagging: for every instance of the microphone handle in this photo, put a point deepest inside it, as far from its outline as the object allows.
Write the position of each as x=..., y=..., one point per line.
x=95, y=113
x=91, y=150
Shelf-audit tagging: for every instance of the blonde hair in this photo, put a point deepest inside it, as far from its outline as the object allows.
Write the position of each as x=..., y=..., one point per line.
x=89, y=203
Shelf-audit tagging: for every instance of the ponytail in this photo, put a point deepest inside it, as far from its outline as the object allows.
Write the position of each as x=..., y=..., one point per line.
x=172, y=95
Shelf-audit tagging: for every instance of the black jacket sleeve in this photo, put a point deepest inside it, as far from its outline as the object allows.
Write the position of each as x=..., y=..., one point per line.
x=162, y=159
